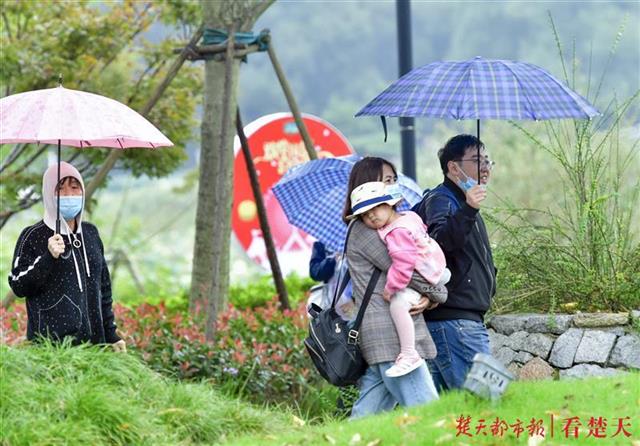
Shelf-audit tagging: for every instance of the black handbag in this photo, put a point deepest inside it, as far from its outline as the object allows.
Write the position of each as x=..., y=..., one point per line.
x=333, y=342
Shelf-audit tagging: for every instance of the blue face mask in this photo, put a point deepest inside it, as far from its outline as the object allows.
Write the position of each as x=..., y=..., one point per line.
x=70, y=206
x=393, y=190
x=466, y=184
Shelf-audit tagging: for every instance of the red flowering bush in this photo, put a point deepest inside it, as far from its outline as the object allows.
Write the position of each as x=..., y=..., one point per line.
x=13, y=324
x=258, y=353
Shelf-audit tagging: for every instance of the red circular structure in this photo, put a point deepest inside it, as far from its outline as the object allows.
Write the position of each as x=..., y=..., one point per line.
x=276, y=146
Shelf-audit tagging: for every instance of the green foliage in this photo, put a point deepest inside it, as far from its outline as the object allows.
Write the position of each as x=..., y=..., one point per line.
x=582, y=249
x=262, y=290
x=614, y=399
x=183, y=12
x=102, y=48
x=160, y=286
x=258, y=353
x=90, y=395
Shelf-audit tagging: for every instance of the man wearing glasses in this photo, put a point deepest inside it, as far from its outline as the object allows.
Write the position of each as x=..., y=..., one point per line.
x=451, y=212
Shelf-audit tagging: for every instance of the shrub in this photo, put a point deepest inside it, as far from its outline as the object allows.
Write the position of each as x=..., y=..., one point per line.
x=13, y=324
x=161, y=288
x=582, y=249
x=258, y=354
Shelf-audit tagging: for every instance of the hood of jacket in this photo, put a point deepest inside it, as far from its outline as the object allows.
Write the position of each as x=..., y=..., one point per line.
x=49, y=182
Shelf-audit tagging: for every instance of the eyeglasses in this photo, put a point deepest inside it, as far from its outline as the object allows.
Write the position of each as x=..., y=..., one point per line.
x=485, y=162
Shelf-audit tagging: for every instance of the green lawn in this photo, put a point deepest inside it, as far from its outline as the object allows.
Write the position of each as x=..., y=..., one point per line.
x=90, y=396
x=434, y=424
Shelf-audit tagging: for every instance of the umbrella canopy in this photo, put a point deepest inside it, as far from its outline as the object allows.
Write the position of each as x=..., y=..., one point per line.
x=479, y=89
x=74, y=118
x=312, y=196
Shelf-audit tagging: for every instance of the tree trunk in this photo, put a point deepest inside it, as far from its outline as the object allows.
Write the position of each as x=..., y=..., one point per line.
x=210, y=270
x=213, y=212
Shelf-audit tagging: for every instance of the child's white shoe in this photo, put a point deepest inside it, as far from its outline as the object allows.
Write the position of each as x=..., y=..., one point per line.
x=404, y=365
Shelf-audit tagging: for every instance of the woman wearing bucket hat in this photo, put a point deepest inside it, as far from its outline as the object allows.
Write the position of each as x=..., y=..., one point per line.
x=378, y=339
x=411, y=249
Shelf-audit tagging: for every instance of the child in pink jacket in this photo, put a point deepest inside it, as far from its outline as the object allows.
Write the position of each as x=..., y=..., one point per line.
x=410, y=248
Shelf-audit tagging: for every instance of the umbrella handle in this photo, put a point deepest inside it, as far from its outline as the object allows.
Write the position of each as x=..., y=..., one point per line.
x=478, y=147
x=57, y=192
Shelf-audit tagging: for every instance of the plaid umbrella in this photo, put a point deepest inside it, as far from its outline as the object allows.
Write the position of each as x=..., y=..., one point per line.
x=312, y=196
x=479, y=89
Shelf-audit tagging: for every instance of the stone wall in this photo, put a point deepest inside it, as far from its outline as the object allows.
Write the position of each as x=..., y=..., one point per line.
x=541, y=346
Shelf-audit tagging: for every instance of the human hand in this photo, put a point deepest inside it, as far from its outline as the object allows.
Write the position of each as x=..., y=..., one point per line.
x=386, y=295
x=476, y=195
x=56, y=245
x=423, y=304
x=348, y=309
x=431, y=305
x=119, y=347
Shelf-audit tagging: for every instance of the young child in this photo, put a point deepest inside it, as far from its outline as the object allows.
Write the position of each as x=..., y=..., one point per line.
x=410, y=249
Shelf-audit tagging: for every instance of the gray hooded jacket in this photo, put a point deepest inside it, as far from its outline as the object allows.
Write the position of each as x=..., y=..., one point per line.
x=70, y=295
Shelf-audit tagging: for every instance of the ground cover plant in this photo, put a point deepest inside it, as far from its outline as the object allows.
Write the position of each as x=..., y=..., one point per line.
x=92, y=396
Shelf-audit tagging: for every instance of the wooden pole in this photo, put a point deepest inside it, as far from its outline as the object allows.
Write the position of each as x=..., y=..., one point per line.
x=114, y=154
x=283, y=296
x=308, y=144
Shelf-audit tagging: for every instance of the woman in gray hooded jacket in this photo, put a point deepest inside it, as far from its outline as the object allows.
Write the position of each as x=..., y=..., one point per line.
x=64, y=277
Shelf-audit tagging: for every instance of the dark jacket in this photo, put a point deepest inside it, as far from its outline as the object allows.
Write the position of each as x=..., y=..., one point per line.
x=56, y=305
x=321, y=266
x=459, y=230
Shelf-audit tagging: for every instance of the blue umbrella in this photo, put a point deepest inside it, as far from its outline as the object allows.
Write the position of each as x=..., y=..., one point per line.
x=479, y=89
x=312, y=196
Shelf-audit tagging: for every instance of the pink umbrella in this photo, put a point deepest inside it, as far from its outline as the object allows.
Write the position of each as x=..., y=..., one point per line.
x=74, y=118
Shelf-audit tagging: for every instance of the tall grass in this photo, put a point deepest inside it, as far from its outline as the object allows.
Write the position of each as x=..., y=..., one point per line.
x=582, y=248
x=62, y=395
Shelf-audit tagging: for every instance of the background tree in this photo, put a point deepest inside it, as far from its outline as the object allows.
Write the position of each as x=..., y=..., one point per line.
x=210, y=273
x=101, y=48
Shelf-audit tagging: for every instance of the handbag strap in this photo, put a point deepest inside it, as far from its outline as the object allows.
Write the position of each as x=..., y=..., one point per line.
x=365, y=300
x=373, y=281
x=337, y=292
x=341, y=288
